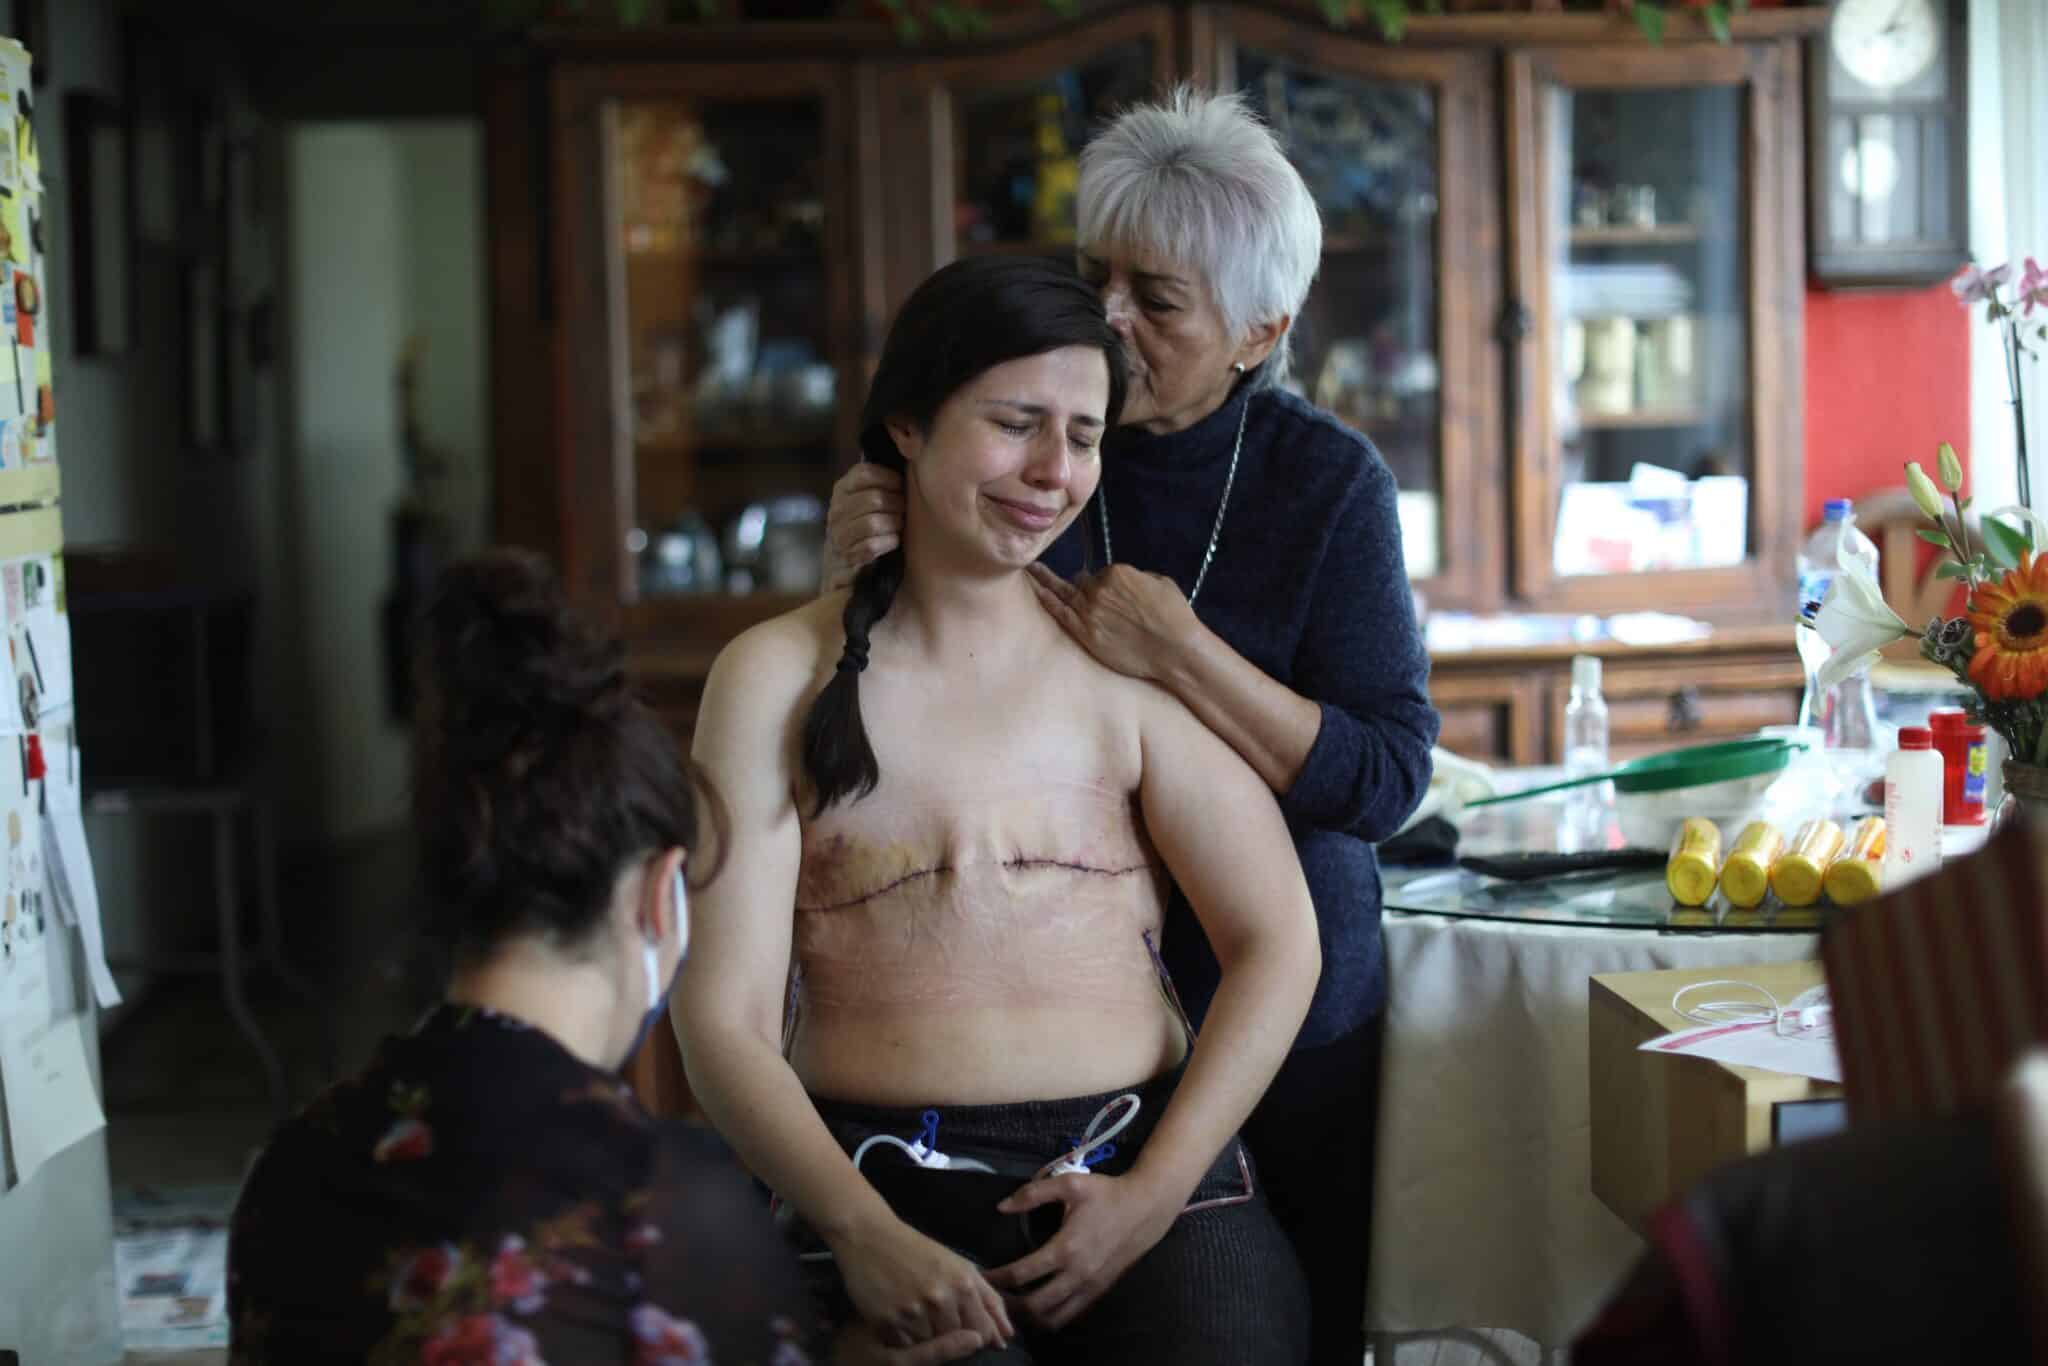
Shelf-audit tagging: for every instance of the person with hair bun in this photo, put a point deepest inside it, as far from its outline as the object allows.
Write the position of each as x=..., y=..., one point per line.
x=1244, y=551
x=488, y=1189
x=976, y=1093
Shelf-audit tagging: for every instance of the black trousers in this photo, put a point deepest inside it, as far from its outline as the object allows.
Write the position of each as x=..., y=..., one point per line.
x=1222, y=1288
x=1313, y=1137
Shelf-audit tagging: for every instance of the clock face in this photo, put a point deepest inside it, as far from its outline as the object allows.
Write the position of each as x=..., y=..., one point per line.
x=1886, y=43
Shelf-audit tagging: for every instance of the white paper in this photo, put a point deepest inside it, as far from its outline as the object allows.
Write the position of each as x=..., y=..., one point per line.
x=27, y=917
x=173, y=1288
x=48, y=1083
x=1757, y=1043
x=24, y=969
x=49, y=634
x=67, y=861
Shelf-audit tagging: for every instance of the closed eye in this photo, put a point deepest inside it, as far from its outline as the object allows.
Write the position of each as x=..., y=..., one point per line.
x=1013, y=428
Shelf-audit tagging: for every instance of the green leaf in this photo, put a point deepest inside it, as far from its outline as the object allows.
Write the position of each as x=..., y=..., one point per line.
x=1392, y=18
x=1949, y=569
x=1717, y=22
x=1337, y=13
x=2005, y=544
x=634, y=13
x=1933, y=537
x=1650, y=20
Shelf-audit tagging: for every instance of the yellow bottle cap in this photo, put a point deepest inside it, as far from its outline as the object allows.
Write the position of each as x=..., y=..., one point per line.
x=1690, y=876
x=1851, y=881
x=1745, y=880
x=1796, y=879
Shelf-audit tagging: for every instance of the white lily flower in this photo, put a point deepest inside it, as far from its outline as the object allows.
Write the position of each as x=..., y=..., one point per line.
x=1855, y=622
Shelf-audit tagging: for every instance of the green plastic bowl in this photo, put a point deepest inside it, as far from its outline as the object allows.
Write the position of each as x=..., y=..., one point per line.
x=1700, y=765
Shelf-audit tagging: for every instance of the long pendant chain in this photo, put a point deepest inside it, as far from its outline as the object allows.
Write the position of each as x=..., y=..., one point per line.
x=1215, y=532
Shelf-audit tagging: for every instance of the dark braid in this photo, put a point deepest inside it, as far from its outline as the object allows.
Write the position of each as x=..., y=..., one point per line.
x=837, y=755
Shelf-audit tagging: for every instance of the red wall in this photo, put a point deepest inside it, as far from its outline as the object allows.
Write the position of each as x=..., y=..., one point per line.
x=1887, y=379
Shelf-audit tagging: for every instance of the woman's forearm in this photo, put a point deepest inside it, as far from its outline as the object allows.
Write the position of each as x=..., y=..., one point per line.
x=1257, y=1011
x=1268, y=723
x=754, y=1099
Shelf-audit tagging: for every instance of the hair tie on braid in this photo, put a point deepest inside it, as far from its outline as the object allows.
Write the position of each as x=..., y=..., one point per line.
x=854, y=658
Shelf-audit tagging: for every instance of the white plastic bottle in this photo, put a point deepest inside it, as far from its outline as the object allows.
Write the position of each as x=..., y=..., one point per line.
x=1585, y=751
x=1836, y=546
x=1912, y=808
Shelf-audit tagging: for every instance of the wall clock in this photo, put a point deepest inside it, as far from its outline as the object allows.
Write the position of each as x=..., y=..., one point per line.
x=1886, y=155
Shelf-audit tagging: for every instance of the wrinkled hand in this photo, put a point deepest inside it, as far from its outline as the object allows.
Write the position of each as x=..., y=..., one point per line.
x=1110, y=1222
x=914, y=1289
x=1129, y=620
x=864, y=521
x=861, y=1344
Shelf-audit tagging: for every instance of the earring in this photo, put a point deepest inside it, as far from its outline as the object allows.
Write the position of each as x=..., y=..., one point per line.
x=1239, y=367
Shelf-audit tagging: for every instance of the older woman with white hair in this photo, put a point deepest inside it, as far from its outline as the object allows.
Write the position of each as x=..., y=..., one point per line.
x=1246, y=555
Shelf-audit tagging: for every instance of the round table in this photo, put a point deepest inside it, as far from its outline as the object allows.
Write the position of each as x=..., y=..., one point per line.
x=1484, y=1216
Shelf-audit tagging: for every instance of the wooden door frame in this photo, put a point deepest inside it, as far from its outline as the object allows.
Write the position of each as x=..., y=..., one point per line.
x=1472, y=524
x=1769, y=74
x=595, y=464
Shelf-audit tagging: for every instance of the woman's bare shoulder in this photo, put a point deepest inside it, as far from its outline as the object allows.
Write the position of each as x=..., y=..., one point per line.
x=784, y=655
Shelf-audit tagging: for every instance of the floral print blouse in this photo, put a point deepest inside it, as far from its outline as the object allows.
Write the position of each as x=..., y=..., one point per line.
x=479, y=1195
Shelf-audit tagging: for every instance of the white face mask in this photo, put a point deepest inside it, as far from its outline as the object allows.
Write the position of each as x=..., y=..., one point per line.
x=650, y=954
x=650, y=959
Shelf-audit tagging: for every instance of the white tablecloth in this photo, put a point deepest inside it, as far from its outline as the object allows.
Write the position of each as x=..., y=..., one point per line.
x=1484, y=1214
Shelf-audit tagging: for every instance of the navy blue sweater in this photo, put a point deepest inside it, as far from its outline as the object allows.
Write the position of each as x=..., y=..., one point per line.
x=1308, y=583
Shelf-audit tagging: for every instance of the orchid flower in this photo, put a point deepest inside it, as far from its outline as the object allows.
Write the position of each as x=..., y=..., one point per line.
x=1972, y=285
x=1855, y=622
x=2033, y=286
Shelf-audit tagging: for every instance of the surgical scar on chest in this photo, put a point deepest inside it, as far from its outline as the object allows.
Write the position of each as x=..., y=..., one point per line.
x=841, y=872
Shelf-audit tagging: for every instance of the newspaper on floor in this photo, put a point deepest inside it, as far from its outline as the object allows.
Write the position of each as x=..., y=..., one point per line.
x=173, y=1288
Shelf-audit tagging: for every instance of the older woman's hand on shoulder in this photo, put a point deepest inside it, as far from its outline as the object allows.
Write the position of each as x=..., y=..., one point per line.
x=864, y=521
x=1131, y=621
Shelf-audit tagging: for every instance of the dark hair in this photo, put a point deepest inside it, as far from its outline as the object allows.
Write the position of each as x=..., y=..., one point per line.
x=537, y=774
x=965, y=319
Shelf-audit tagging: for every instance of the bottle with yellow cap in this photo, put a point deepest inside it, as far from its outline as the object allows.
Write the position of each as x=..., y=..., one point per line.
x=1858, y=875
x=1746, y=876
x=1800, y=872
x=1695, y=862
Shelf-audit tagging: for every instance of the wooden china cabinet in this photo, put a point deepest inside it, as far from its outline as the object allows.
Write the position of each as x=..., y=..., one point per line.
x=1561, y=291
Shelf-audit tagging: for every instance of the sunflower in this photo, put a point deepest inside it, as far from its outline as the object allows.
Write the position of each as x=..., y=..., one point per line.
x=2011, y=617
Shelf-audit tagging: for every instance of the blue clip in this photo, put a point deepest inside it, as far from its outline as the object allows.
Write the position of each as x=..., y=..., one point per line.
x=930, y=1137
x=1098, y=1154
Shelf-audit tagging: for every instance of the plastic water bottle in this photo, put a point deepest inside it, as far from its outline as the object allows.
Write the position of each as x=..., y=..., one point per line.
x=1846, y=716
x=1585, y=751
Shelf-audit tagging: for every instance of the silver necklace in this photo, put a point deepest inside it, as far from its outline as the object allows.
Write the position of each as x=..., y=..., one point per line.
x=1102, y=505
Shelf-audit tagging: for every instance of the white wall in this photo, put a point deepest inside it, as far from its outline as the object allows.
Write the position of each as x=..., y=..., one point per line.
x=346, y=282
x=442, y=170
x=386, y=244
x=2008, y=222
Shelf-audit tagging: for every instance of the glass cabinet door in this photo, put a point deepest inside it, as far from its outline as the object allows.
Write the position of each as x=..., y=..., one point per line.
x=1653, y=433
x=704, y=288
x=1003, y=135
x=717, y=222
x=1388, y=340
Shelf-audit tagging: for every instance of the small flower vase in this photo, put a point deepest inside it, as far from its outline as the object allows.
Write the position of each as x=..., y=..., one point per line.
x=2026, y=789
